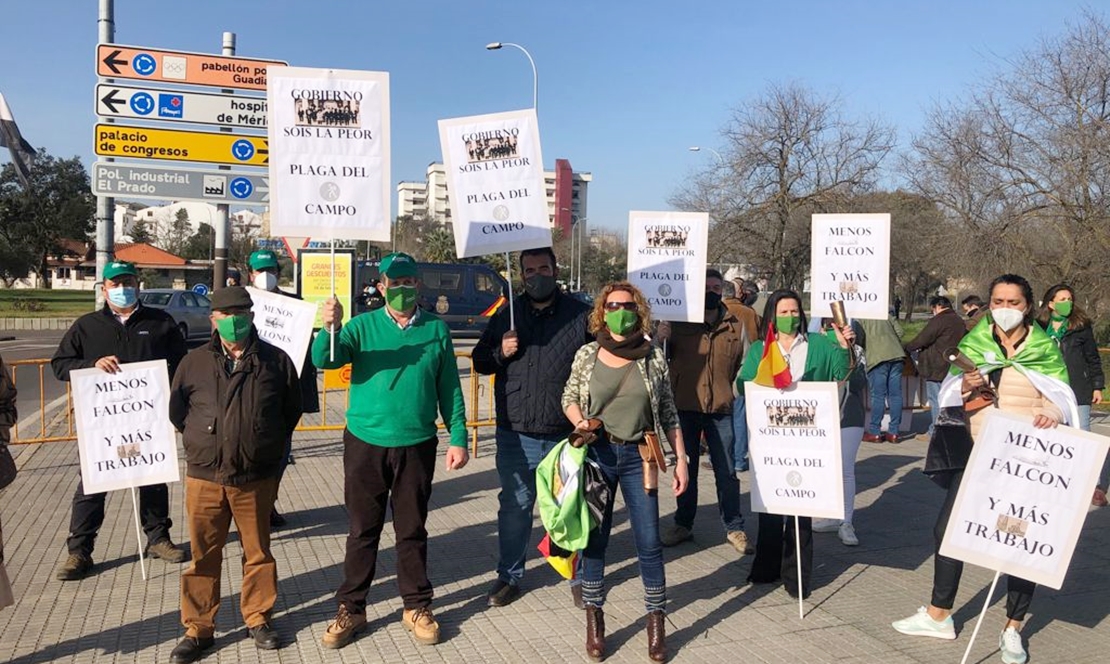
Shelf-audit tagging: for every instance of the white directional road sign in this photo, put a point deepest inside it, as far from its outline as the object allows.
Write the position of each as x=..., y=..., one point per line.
x=121, y=101
x=128, y=180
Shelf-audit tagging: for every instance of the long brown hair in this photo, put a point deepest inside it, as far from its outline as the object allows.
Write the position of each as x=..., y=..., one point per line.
x=643, y=309
x=1078, y=318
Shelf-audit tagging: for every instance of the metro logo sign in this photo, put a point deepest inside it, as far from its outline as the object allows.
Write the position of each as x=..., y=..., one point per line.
x=181, y=67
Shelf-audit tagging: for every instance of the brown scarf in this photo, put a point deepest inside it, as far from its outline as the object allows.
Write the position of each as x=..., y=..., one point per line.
x=633, y=347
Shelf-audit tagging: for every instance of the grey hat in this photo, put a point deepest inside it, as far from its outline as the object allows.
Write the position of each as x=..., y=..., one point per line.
x=232, y=297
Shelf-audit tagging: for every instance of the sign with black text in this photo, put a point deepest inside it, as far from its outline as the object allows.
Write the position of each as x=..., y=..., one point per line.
x=285, y=322
x=329, y=153
x=496, y=183
x=794, y=450
x=124, y=434
x=850, y=263
x=667, y=253
x=1023, y=498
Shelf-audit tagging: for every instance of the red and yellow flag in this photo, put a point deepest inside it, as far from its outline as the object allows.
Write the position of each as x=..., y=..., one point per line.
x=773, y=370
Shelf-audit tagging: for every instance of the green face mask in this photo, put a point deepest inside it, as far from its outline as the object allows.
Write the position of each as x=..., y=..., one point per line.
x=831, y=334
x=1062, y=309
x=400, y=298
x=621, y=321
x=786, y=324
x=234, y=329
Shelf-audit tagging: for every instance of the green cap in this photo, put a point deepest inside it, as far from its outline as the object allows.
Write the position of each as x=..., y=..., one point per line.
x=263, y=260
x=119, y=268
x=398, y=265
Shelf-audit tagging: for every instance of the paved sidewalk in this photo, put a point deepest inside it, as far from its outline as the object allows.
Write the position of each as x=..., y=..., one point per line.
x=117, y=617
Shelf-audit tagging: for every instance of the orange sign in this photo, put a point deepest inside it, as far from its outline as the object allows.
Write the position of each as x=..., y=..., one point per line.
x=153, y=64
x=338, y=379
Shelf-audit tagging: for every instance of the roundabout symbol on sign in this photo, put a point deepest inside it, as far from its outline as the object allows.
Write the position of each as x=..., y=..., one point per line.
x=144, y=64
x=242, y=149
x=241, y=188
x=142, y=103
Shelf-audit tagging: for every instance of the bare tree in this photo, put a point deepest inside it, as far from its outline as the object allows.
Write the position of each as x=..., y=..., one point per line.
x=789, y=153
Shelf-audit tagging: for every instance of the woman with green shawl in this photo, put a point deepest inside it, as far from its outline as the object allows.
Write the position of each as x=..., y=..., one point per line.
x=1024, y=370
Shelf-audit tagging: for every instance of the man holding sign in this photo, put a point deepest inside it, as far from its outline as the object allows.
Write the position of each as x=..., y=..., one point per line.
x=123, y=331
x=236, y=402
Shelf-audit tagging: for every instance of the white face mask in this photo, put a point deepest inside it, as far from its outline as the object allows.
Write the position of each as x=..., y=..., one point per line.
x=265, y=281
x=1007, y=319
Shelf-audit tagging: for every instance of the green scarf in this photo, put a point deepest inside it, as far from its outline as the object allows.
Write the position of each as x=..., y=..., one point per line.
x=1056, y=333
x=1037, y=353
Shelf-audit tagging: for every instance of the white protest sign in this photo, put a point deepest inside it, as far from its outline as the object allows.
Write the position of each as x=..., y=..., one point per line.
x=667, y=253
x=329, y=153
x=850, y=263
x=285, y=322
x=124, y=434
x=496, y=183
x=794, y=448
x=1023, y=498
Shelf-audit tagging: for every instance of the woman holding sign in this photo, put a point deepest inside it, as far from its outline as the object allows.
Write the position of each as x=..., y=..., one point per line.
x=1070, y=327
x=806, y=357
x=1020, y=369
x=620, y=383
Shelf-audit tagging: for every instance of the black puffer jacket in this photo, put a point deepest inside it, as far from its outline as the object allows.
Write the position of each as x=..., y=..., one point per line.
x=235, y=425
x=1084, y=365
x=529, y=387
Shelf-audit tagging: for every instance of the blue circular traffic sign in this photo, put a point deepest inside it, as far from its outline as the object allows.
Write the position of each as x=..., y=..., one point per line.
x=200, y=289
x=242, y=149
x=142, y=103
x=144, y=64
x=241, y=188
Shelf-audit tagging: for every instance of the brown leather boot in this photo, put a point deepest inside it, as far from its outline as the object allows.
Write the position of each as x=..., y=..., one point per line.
x=657, y=636
x=595, y=633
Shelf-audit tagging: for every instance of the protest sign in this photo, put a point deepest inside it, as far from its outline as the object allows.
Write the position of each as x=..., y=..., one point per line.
x=667, y=254
x=850, y=263
x=315, y=284
x=329, y=153
x=496, y=182
x=1023, y=498
x=285, y=322
x=794, y=450
x=124, y=435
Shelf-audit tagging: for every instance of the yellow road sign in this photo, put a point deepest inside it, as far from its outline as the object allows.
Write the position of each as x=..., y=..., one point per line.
x=176, y=145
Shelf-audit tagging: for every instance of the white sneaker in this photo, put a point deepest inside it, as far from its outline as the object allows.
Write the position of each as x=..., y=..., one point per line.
x=922, y=624
x=826, y=525
x=847, y=533
x=1010, y=645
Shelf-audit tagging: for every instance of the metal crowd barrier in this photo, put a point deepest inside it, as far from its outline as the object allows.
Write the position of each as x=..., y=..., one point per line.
x=480, y=411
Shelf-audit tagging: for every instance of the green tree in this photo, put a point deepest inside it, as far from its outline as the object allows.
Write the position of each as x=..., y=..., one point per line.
x=140, y=234
x=438, y=246
x=177, y=239
x=58, y=204
x=200, y=245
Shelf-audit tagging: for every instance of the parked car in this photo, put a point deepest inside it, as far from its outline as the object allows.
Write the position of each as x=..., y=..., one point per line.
x=464, y=295
x=190, y=310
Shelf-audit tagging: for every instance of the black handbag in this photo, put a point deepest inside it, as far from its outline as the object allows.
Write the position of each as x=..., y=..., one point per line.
x=7, y=467
x=949, y=448
x=595, y=490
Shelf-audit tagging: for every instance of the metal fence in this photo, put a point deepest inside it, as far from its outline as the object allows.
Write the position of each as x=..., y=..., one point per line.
x=56, y=424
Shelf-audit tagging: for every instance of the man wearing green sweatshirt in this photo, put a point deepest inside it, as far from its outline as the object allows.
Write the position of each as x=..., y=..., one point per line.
x=402, y=372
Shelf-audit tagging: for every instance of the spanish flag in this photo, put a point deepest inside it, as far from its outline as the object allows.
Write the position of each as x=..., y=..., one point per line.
x=773, y=370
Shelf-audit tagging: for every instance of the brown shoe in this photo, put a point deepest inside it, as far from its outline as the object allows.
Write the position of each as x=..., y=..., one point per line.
x=739, y=541
x=165, y=550
x=76, y=567
x=422, y=624
x=1099, y=499
x=891, y=438
x=595, y=633
x=657, y=637
x=343, y=629
x=576, y=595
x=872, y=438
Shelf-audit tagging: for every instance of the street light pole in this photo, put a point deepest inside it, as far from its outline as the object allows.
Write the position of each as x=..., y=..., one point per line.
x=496, y=46
x=695, y=148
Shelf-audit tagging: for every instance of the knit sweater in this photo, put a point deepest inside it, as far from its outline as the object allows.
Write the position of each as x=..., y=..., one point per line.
x=399, y=378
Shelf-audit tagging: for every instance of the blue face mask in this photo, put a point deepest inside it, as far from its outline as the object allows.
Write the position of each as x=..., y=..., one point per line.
x=123, y=296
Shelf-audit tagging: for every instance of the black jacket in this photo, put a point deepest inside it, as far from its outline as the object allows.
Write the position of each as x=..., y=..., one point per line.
x=1084, y=364
x=150, y=334
x=235, y=425
x=942, y=332
x=529, y=387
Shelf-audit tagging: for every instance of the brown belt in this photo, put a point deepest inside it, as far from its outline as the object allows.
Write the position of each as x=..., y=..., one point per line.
x=620, y=441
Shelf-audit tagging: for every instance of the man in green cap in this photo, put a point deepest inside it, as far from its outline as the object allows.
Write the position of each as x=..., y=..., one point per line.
x=122, y=331
x=265, y=270
x=403, y=371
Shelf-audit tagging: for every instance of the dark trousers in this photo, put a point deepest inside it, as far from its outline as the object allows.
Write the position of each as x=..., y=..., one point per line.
x=373, y=477
x=775, y=553
x=947, y=571
x=87, y=516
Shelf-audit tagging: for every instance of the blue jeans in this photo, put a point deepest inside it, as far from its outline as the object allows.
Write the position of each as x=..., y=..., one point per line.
x=884, y=381
x=518, y=455
x=621, y=465
x=718, y=437
x=932, y=391
x=740, y=434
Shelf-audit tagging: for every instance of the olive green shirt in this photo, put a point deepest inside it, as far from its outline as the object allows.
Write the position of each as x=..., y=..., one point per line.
x=620, y=399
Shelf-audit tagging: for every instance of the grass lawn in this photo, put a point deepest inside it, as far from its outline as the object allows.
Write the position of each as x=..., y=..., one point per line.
x=45, y=303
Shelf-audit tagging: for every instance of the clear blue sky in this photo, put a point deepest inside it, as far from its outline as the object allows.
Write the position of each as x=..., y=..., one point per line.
x=625, y=87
